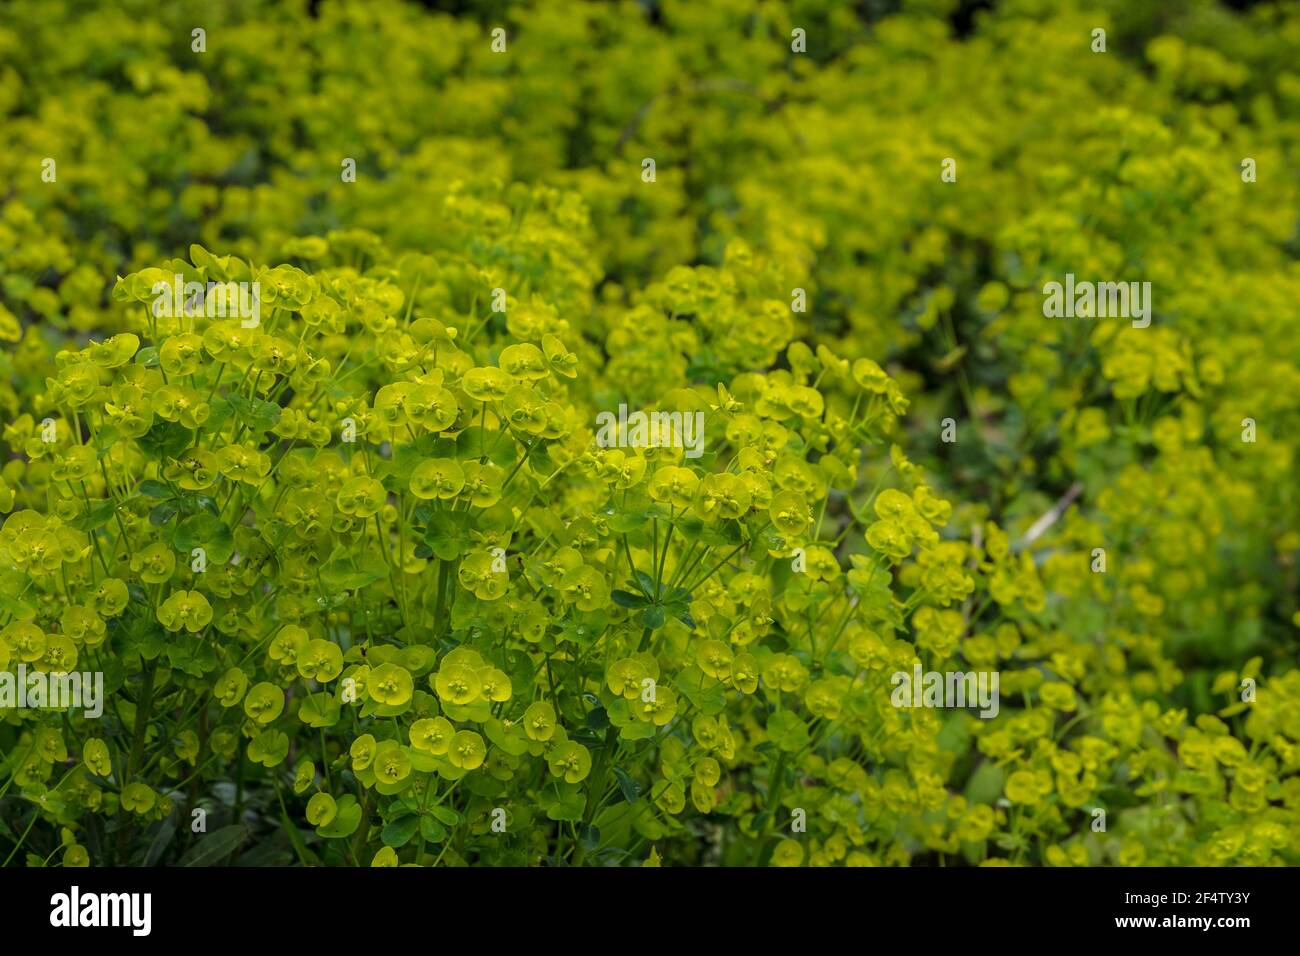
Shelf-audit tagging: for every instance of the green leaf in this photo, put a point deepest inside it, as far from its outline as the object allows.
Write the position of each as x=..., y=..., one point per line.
x=191, y=654
x=654, y=617
x=646, y=584
x=682, y=614
x=446, y=815
x=432, y=830
x=448, y=534
x=628, y=599
x=99, y=514
x=163, y=513
x=346, y=819
x=257, y=415
x=216, y=846
x=347, y=573
x=705, y=694
x=192, y=504
x=985, y=784
x=423, y=762
x=203, y=259
x=105, y=439
x=637, y=730
x=567, y=809
x=16, y=609
x=472, y=439
x=269, y=748
x=398, y=833
x=207, y=532
x=625, y=522
x=319, y=710
x=587, y=738
x=514, y=743
x=162, y=838
x=598, y=719
x=144, y=636
x=584, y=628
x=165, y=440
x=787, y=731
x=477, y=712
x=305, y=856
x=154, y=489
x=630, y=789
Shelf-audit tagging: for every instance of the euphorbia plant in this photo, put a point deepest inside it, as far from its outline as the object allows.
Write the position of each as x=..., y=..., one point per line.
x=407, y=581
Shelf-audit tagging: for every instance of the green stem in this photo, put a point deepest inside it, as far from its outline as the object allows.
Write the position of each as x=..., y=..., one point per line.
x=143, y=710
x=601, y=775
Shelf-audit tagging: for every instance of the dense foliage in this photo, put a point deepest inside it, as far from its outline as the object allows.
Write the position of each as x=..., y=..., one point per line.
x=364, y=586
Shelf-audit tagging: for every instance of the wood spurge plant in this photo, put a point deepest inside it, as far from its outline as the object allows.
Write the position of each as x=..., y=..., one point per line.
x=393, y=474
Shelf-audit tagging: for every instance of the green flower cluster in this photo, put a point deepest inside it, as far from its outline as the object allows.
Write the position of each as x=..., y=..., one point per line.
x=368, y=583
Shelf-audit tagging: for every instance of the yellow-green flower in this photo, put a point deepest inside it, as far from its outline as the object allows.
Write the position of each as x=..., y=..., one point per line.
x=539, y=721
x=320, y=660
x=321, y=809
x=96, y=757
x=458, y=684
x=788, y=853
x=437, y=478
x=390, y=684
x=467, y=750
x=570, y=760
x=185, y=610
x=432, y=735
x=138, y=798
x=264, y=702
